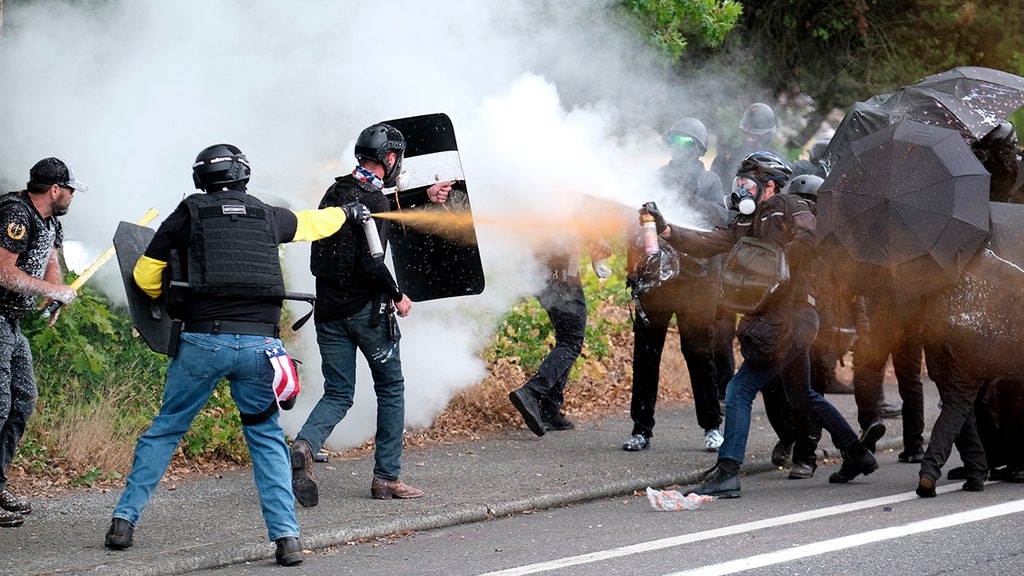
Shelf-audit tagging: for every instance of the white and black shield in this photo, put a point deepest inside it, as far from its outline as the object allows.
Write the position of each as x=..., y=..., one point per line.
x=435, y=255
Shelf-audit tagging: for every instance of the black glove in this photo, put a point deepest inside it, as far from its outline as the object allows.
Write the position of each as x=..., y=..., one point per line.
x=356, y=212
x=659, y=219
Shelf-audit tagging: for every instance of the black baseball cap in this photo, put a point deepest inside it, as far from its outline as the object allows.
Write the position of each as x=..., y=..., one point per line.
x=51, y=171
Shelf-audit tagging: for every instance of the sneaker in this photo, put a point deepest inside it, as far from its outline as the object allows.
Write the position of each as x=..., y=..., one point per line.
x=10, y=519
x=526, y=403
x=12, y=503
x=557, y=421
x=303, y=480
x=713, y=439
x=636, y=443
x=852, y=466
x=802, y=471
x=781, y=452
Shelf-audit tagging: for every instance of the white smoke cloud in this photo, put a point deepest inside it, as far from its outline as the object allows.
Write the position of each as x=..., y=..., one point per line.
x=549, y=101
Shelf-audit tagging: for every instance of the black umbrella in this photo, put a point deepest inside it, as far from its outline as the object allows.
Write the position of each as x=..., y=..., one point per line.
x=861, y=119
x=970, y=99
x=903, y=211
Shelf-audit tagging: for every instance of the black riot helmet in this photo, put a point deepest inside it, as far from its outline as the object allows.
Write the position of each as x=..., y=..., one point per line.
x=753, y=174
x=375, y=142
x=758, y=118
x=218, y=166
x=765, y=166
x=804, y=186
x=688, y=135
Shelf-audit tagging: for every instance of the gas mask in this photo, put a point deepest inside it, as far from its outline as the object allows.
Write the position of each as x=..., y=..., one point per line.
x=745, y=192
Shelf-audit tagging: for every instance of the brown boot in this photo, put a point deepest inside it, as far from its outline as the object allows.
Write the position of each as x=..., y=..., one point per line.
x=382, y=489
x=303, y=480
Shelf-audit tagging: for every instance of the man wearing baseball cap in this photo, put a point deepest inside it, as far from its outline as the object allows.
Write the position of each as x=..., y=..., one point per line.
x=30, y=235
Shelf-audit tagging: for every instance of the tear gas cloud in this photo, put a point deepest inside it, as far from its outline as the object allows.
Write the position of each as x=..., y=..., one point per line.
x=553, y=107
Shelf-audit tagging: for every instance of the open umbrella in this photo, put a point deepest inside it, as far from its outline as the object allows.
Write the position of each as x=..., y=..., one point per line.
x=970, y=99
x=861, y=119
x=903, y=211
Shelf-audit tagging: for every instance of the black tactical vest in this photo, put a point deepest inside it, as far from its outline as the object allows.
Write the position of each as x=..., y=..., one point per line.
x=232, y=250
x=335, y=257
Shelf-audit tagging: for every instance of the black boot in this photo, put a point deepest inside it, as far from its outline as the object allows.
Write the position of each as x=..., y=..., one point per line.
x=856, y=460
x=722, y=481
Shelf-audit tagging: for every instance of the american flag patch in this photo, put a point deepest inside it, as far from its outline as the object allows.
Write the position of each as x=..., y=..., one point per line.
x=286, y=381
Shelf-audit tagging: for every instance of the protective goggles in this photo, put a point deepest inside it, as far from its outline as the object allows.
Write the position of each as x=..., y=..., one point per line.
x=681, y=141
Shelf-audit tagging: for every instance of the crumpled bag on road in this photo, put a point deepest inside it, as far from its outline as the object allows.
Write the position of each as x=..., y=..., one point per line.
x=673, y=500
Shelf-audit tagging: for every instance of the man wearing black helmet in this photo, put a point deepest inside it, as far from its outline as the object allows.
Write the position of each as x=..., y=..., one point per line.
x=29, y=239
x=357, y=299
x=836, y=319
x=757, y=126
x=693, y=301
x=775, y=338
x=220, y=250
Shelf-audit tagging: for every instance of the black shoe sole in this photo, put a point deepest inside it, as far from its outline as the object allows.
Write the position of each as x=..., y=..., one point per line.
x=305, y=489
x=872, y=435
x=533, y=421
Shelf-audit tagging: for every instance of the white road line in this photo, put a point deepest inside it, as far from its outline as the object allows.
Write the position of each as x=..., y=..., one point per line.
x=826, y=546
x=709, y=534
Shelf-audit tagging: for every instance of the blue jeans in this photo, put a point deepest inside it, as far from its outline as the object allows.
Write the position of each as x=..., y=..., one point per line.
x=18, y=393
x=794, y=370
x=338, y=342
x=202, y=361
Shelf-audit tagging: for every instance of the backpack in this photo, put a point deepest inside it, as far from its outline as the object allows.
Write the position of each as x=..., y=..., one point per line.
x=753, y=271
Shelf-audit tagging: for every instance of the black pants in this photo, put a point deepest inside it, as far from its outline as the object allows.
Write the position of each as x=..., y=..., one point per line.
x=567, y=308
x=956, y=424
x=999, y=411
x=894, y=330
x=696, y=342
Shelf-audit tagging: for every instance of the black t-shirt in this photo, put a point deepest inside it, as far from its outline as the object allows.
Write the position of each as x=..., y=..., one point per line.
x=30, y=236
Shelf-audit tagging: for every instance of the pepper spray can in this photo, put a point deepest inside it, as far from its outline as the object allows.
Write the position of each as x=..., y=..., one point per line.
x=650, y=234
x=373, y=238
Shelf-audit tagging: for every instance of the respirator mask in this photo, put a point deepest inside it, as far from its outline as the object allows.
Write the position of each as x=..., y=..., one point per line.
x=744, y=195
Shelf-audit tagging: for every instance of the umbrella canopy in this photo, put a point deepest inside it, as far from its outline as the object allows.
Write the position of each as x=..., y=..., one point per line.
x=903, y=211
x=970, y=99
x=861, y=119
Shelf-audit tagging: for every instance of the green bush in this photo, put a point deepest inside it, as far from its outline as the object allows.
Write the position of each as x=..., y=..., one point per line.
x=525, y=335
x=89, y=361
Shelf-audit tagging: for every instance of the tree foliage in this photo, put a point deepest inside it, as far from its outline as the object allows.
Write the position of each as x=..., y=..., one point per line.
x=670, y=24
x=837, y=51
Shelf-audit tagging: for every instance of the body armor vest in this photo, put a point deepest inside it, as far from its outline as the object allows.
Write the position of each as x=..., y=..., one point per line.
x=232, y=250
x=335, y=257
